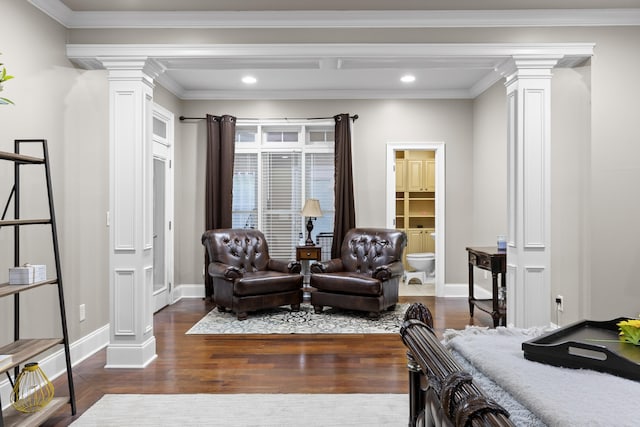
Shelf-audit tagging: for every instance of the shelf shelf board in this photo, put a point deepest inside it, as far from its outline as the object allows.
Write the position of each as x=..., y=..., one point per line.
x=9, y=222
x=23, y=350
x=13, y=418
x=20, y=158
x=7, y=289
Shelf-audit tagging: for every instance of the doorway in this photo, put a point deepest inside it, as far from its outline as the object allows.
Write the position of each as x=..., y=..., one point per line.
x=162, y=208
x=418, y=211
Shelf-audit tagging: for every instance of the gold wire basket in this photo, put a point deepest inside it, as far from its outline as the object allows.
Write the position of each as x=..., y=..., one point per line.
x=32, y=390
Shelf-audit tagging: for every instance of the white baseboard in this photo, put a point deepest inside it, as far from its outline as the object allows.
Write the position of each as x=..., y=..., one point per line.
x=455, y=290
x=480, y=292
x=187, y=291
x=55, y=365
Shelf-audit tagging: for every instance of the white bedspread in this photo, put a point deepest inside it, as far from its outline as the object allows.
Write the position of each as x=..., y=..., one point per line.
x=558, y=396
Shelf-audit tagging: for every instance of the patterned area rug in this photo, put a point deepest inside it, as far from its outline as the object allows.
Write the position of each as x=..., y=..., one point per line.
x=282, y=320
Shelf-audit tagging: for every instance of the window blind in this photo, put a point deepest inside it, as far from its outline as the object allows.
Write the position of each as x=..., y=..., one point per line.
x=245, y=191
x=319, y=184
x=281, y=201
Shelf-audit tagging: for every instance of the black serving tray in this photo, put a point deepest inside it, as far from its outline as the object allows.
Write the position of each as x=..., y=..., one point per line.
x=587, y=344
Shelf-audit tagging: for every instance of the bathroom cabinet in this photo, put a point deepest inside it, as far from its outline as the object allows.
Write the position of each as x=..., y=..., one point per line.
x=420, y=240
x=420, y=175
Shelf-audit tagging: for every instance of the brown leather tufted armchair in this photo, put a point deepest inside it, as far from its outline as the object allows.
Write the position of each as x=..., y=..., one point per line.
x=367, y=275
x=245, y=278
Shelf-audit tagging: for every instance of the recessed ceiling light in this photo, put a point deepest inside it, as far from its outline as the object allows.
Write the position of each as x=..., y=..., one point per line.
x=249, y=80
x=407, y=78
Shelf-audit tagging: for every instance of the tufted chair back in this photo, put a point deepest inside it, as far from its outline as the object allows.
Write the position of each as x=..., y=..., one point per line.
x=243, y=248
x=363, y=250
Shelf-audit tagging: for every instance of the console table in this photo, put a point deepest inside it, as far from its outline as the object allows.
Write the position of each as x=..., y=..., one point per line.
x=494, y=260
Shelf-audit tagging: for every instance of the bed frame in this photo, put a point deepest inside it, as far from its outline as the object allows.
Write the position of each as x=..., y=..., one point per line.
x=440, y=393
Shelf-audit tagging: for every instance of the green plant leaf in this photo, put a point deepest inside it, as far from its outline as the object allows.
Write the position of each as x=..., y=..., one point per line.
x=6, y=101
x=630, y=334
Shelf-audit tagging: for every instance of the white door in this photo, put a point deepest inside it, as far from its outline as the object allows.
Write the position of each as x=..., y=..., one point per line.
x=162, y=207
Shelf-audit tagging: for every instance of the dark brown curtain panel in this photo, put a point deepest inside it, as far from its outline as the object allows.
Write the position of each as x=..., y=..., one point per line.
x=345, y=216
x=221, y=137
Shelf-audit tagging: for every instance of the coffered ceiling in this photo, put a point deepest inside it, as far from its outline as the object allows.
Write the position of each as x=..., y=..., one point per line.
x=312, y=71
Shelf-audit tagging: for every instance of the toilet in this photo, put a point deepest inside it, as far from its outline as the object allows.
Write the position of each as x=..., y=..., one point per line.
x=424, y=263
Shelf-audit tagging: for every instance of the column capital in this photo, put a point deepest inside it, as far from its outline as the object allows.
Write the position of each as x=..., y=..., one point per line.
x=528, y=67
x=132, y=68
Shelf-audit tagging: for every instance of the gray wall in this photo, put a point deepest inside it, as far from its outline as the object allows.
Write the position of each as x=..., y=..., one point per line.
x=594, y=156
x=69, y=108
x=613, y=253
x=570, y=136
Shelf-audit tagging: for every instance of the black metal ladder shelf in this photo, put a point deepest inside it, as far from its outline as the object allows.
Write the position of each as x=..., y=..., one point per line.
x=23, y=350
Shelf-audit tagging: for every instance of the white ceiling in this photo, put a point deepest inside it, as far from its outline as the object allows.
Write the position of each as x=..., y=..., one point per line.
x=305, y=71
x=315, y=75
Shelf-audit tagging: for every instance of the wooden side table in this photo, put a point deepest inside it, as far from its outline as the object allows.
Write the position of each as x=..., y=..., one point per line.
x=306, y=254
x=495, y=261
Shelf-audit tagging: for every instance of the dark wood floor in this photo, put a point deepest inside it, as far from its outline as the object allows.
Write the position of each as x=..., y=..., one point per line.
x=258, y=363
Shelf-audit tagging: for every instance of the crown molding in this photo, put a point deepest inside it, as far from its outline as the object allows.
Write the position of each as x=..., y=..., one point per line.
x=340, y=19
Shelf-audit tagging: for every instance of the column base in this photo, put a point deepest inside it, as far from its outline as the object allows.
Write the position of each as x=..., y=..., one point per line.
x=131, y=355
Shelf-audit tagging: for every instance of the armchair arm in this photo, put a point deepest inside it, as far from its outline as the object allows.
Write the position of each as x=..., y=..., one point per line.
x=386, y=272
x=292, y=267
x=218, y=269
x=330, y=266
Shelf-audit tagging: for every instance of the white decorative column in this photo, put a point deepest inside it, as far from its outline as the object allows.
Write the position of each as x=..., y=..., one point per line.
x=528, y=83
x=132, y=343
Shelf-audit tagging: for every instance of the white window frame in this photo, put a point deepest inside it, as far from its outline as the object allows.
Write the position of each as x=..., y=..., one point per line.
x=260, y=146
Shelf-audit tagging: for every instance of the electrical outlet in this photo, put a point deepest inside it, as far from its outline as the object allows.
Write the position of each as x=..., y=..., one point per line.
x=83, y=313
x=560, y=303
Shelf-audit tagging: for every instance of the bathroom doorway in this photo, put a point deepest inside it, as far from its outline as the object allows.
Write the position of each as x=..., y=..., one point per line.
x=415, y=204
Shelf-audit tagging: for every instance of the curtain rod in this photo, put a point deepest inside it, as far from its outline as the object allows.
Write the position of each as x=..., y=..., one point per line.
x=354, y=118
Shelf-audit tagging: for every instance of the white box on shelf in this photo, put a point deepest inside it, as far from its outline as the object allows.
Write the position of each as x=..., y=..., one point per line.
x=20, y=275
x=27, y=274
x=39, y=272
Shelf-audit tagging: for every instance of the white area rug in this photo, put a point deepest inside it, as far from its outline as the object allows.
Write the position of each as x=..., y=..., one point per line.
x=558, y=396
x=244, y=410
x=282, y=320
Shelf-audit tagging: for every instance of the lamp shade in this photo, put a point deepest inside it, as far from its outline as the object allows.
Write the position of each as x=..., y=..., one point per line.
x=311, y=208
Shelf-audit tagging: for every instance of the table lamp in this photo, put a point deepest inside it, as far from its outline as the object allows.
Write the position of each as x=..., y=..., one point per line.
x=310, y=210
